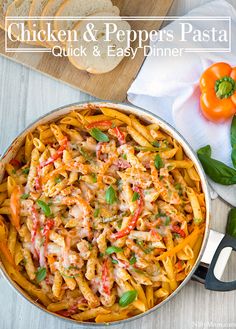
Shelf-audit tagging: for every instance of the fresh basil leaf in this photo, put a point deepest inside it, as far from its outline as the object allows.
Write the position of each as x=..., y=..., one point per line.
x=206, y=150
x=158, y=162
x=231, y=223
x=110, y=195
x=233, y=132
x=45, y=208
x=99, y=135
x=132, y=260
x=110, y=250
x=24, y=196
x=135, y=197
x=128, y=297
x=114, y=261
x=41, y=274
x=233, y=156
x=217, y=170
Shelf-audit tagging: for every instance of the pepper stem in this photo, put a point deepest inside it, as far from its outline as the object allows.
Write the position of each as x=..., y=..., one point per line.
x=225, y=87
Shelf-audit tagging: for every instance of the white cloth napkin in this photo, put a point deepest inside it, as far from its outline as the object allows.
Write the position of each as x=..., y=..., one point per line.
x=169, y=87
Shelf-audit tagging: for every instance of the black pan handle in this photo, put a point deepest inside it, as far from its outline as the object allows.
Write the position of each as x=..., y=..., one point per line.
x=211, y=282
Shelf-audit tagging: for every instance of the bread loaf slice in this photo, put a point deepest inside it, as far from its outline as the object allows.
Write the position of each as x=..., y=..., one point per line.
x=19, y=8
x=50, y=10
x=4, y=4
x=79, y=8
x=90, y=62
x=36, y=9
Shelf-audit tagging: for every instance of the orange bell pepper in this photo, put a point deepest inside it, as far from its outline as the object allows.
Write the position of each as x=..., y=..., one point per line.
x=15, y=207
x=218, y=87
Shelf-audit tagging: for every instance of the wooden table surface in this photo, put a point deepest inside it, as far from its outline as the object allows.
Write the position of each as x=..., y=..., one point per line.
x=24, y=96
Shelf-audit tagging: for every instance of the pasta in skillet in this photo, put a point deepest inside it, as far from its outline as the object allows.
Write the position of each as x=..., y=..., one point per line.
x=101, y=215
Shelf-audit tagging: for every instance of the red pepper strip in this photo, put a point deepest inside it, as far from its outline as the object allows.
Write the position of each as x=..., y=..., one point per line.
x=47, y=227
x=35, y=223
x=15, y=163
x=105, y=274
x=155, y=234
x=133, y=221
x=15, y=207
x=55, y=156
x=176, y=229
x=119, y=134
x=99, y=124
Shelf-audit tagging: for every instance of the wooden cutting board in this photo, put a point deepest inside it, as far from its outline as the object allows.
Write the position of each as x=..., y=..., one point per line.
x=108, y=86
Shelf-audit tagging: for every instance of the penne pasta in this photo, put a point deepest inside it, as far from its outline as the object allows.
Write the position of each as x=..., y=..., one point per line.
x=102, y=215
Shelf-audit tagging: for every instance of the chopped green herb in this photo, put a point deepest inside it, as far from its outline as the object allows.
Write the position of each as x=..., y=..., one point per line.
x=112, y=249
x=41, y=274
x=96, y=212
x=45, y=208
x=128, y=297
x=94, y=177
x=25, y=171
x=197, y=220
x=135, y=197
x=139, y=242
x=114, y=261
x=110, y=195
x=85, y=154
x=13, y=171
x=178, y=186
x=42, y=241
x=99, y=135
x=57, y=180
x=167, y=221
x=24, y=196
x=101, y=254
x=158, y=162
x=156, y=144
x=147, y=250
x=124, y=156
x=90, y=246
x=176, y=235
x=119, y=223
x=132, y=260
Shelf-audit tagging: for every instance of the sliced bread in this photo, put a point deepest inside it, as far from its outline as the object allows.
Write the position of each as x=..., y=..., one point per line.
x=50, y=10
x=79, y=8
x=4, y=4
x=102, y=63
x=19, y=8
x=36, y=9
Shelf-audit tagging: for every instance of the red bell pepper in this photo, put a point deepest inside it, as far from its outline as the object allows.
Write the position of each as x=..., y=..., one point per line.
x=120, y=136
x=105, y=277
x=55, y=156
x=133, y=221
x=178, y=230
